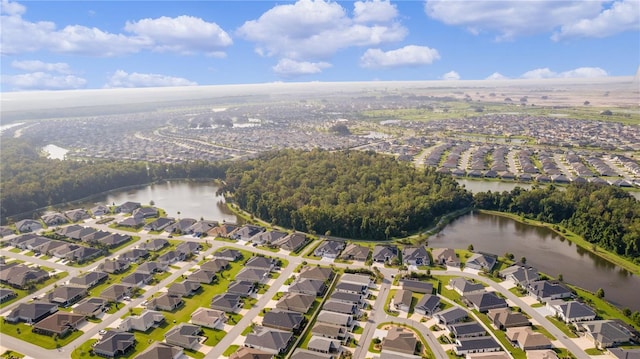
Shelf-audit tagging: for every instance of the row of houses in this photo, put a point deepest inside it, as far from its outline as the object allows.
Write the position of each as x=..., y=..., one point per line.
x=56, y=248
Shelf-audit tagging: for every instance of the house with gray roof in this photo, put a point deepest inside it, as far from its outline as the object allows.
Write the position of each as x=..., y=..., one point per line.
x=291, y=242
x=114, y=344
x=340, y=307
x=428, y=305
x=544, y=290
x=267, y=237
x=31, y=312
x=451, y=316
x=329, y=331
x=180, y=226
x=319, y=273
x=28, y=225
x=201, y=228
x=361, y=279
x=229, y=303
x=503, y=318
x=165, y=302
x=463, y=286
x=253, y=275
x=184, y=335
x=572, y=311
x=215, y=265
x=260, y=262
x=116, y=292
x=77, y=214
x=308, y=286
x=152, y=268
x=208, y=318
x=188, y=248
x=245, y=232
x=384, y=254
x=59, y=323
x=202, y=276
x=136, y=279
x=127, y=207
x=297, y=302
x=416, y=286
x=54, y=219
x=20, y=276
x=445, y=256
x=476, y=345
x=114, y=239
x=100, y=210
x=483, y=301
x=242, y=288
x=347, y=298
x=520, y=274
x=416, y=256
x=605, y=333
x=355, y=252
x=162, y=351
x=343, y=320
x=114, y=266
x=222, y=230
x=400, y=340
x=6, y=295
x=270, y=340
x=65, y=296
x=171, y=257
x=621, y=353
x=159, y=224
x=351, y=288
x=481, y=261
x=154, y=244
x=329, y=249
x=96, y=237
x=134, y=255
x=146, y=320
x=308, y=354
x=526, y=339
x=231, y=255
x=402, y=300
x=133, y=222
x=466, y=330
x=6, y=231
x=91, y=307
x=324, y=345
x=283, y=320
x=186, y=288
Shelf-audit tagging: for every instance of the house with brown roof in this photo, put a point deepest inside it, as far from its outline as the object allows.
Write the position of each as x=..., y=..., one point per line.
x=91, y=307
x=116, y=292
x=65, y=296
x=402, y=300
x=319, y=273
x=503, y=318
x=60, y=324
x=445, y=256
x=162, y=351
x=184, y=335
x=292, y=242
x=329, y=331
x=115, y=343
x=298, y=302
x=165, y=302
x=355, y=252
x=526, y=339
x=400, y=340
x=250, y=353
x=31, y=312
x=209, y=318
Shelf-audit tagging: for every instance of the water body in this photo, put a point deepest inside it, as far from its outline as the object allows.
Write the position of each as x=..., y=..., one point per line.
x=55, y=152
x=545, y=250
x=193, y=199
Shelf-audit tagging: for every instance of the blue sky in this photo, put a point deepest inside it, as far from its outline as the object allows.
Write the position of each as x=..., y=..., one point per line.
x=59, y=45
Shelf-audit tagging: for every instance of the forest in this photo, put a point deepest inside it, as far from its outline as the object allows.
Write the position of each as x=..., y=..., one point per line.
x=31, y=181
x=349, y=194
x=605, y=216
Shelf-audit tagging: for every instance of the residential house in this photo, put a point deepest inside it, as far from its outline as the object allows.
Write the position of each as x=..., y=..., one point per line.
x=78, y=214
x=416, y=256
x=476, y=345
x=231, y=255
x=360, y=279
x=114, y=344
x=54, y=219
x=116, y=292
x=21, y=276
x=76, y=232
x=259, y=262
x=497, y=355
x=451, y=316
x=208, y=318
x=215, y=265
x=96, y=237
x=298, y=302
x=91, y=307
x=343, y=320
x=223, y=230
x=159, y=224
x=83, y=254
x=28, y=225
x=402, y=300
x=319, y=273
x=114, y=266
x=162, y=351
x=151, y=268
x=308, y=354
x=324, y=345
x=340, y=307
x=463, y=286
x=483, y=301
x=526, y=339
x=127, y=207
x=347, y=298
x=165, y=302
x=416, y=286
x=503, y=318
x=445, y=256
x=283, y=320
x=6, y=231
x=242, y=288
x=154, y=244
x=308, y=286
x=134, y=255
x=180, y=226
x=31, y=312
x=145, y=212
x=245, y=232
x=146, y=320
x=572, y=311
x=60, y=324
x=466, y=330
x=355, y=252
x=481, y=261
x=605, y=333
x=329, y=331
x=250, y=353
x=170, y=257
x=65, y=296
x=6, y=295
x=201, y=228
x=384, y=254
x=428, y=305
x=400, y=340
x=202, y=276
x=184, y=335
x=520, y=274
x=229, y=303
x=49, y=246
x=136, y=279
x=114, y=239
x=269, y=340
x=291, y=242
x=620, y=353
x=329, y=249
x=100, y=210
x=186, y=288
x=253, y=275
x=351, y=288
x=133, y=222
x=267, y=237
x=544, y=290
x=188, y=248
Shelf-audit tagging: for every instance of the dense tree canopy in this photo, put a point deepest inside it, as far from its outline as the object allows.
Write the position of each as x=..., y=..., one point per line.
x=31, y=181
x=604, y=215
x=349, y=193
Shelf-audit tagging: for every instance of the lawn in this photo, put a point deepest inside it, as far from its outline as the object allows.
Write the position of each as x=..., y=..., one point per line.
x=603, y=308
x=23, y=331
x=594, y=351
x=10, y=354
x=214, y=336
x=562, y=326
x=21, y=293
x=502, y=337
x=230, y=350
x=387, y=301
x=517, y=291
x=83, y=350
x=542, y=330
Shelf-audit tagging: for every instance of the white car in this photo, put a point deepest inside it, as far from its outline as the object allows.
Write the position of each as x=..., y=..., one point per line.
x=102, y=332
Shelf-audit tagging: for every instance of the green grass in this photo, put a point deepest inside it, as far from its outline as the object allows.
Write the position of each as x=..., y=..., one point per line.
x=230, y=350
x=516, y=291
x=358, y=330
x=11, y=354
x=502, y=337
x=214, y=336
x=594, y=351
x=544, y=332
x=15, y=250
x=29, y=254
x=247, y=330
x=387, y=301
x=23, y=331
x=372, y=347
x=21, y=293
x=537, y=305
x=83, y=350
x=563, y=353
x=603, y=308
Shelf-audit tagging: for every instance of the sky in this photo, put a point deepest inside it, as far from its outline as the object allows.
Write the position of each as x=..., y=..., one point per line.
x=62, y=45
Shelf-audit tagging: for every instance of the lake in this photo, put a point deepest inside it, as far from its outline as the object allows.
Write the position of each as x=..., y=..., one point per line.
x=543, y=249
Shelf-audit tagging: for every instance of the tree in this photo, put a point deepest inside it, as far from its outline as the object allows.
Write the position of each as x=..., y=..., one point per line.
x=600, y=293
x=523, y=260
x=560, y=278
x=470, y=248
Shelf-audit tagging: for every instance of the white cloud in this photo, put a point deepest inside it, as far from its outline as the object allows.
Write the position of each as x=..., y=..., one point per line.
x=288, y=67
x=621, y=16
x=511, y=18
x=374, y=11
x=411, y=55
x=36, y=65
x=123, y=79
x=546, y=73
x=450, y=76
x=43, y=81
x=316, y=29
x=182, y=34
x=496, y=76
